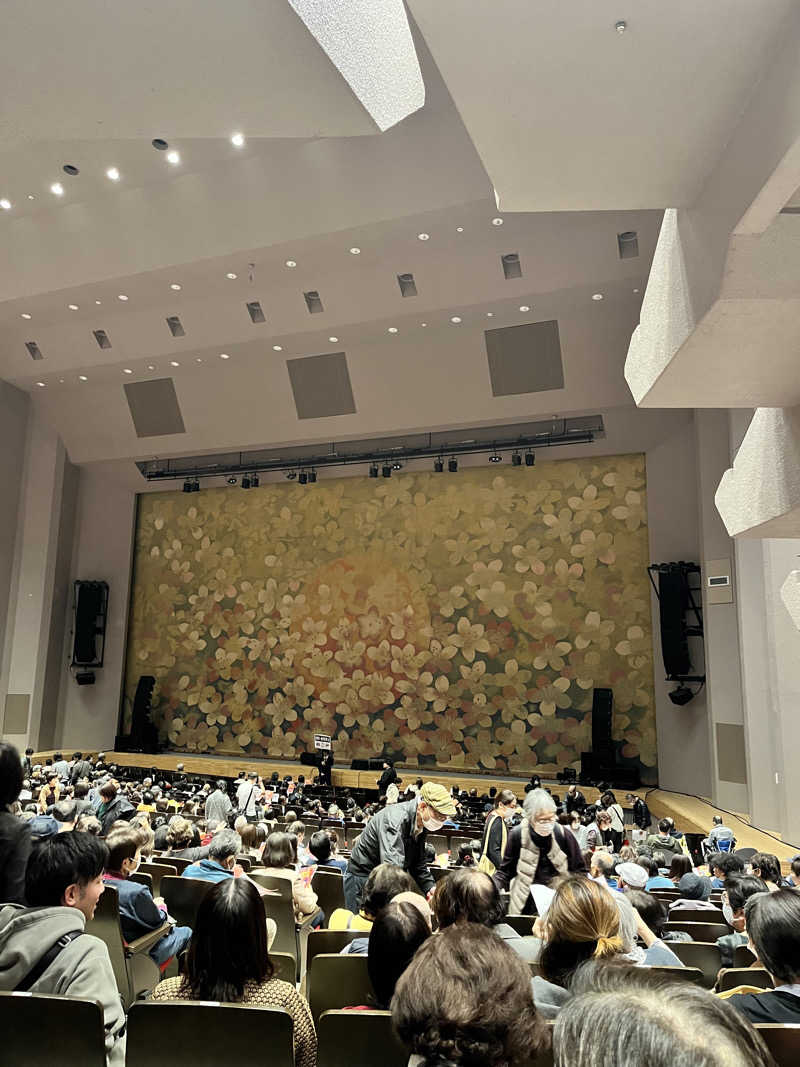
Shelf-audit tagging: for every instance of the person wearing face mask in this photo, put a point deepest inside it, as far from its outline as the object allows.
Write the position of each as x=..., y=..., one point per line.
x=139, y=913
x=538, y=851
x=495, y=831
x=397, y=835
x=738, y=890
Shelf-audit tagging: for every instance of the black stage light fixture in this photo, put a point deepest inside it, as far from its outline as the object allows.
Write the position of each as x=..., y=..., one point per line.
x=373, y=470
x=438, y=465
x=516, y=459
x=245, y=481
x=195, y=486
x=530, y=459
x=291, y=475
x=397, y=465
x=386, y=470
x=254, y=481
x=303, y=478
x=312, y=477
x=681, y=695
x=187, y=486
x=452, y=464
x=495, y=458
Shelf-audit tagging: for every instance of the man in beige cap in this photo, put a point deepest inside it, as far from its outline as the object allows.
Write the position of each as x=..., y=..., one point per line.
x=397, y=835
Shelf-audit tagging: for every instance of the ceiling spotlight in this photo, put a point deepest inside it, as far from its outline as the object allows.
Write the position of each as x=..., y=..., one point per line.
x=121, y=296
x=497, y=222
x=5, y=204
x=254, y=481
x=530, y=459
x=26, y=314
x=82, y=378
x=373, y=470
x=597, y=296
x=489, y=314
x=456, y=319
x=72, y=307
x=277, y=348
x=291, y=475
x=423, y=324
x=333, y=340
x=386, y=470
x=31, y=196
x=174, y=363
x=98, y=301
x=524, y=307
x=392, y=329
x=438, y=465
x=516, y=459
x=175, y=286
x=355, y=251
x=423, y=236
x=291, y=263
x=245, y=481
x=113, y=174
x=459, y=229
x=303, y=478
x=621, y=26
x=237, y=139
x=452, y=464
x=224, y=355
x=57, y=189
x=173, y=157
x=231, y=276
x=151, y=366
x=312, y=477
x=127, y=370
x=40, y=384
x=495, y=458
x=636, y=290
x=159, y=144
x=199, y=359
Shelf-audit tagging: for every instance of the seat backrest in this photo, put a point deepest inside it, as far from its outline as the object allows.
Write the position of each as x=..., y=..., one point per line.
x=523, y=924
x=329, y=890
x=273, y=882
x=106, y=925
x=732, y=977
x=681, y=974
x=365, y=1038
x=157, y=871
x=183, y=896
x=743, y=957
x=178, y=863
x=700, y=931
x=337, y=982
x=282, y=911
x=39, y=1028
x=206, y=1034
x=439, y=843
x=330, y=942
x=697, y=915
x=246, y=863
x=285, y=966
x=745, y=854
x=701, y=955
x=783, y=1041
x=143, y=878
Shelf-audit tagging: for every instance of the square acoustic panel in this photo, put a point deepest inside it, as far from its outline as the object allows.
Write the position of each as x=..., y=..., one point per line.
x=321, y=386
x=525, y=359
x=154, y=408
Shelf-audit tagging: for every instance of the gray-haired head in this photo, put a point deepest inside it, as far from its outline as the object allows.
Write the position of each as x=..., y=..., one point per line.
x=538, y=802
x=223, y=845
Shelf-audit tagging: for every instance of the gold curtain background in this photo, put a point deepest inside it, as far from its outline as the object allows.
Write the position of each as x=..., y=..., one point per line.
x=457, y=620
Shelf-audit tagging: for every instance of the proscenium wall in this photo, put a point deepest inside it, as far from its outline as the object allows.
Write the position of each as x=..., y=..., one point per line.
x=456, y=621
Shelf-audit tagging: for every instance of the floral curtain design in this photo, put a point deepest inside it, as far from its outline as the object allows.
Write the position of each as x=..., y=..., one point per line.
x=456, y=620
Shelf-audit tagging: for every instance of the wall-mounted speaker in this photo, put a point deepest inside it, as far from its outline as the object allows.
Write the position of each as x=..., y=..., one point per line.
x=90, y=609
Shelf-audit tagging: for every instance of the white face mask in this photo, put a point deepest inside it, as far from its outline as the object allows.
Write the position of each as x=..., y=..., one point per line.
x=727, y=911
x=432, y=825
x=135, y=867
x=544, y=827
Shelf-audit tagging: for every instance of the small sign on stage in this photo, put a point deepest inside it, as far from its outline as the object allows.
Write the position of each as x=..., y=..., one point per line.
x=322, y=741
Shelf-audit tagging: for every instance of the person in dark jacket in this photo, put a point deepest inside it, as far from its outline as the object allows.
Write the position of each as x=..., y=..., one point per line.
x=15, y=835
x=397, y=835
x=81, y=768
x=574, y=800
x=538, y=851
x=496, y=829
x=773, y=926
x=325, y=768
x=113, y=806
x=389, y=777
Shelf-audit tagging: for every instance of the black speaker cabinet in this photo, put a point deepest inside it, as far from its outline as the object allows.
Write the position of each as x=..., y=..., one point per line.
x=602, y=711
x=90, y=609
x=359, y=765
x=375, y=763
x=672, y=604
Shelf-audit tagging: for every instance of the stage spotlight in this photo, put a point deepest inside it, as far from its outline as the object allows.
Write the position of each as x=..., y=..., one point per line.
x=495, y=458
x=303, y=478
x=516, y=459
x=530, y=459
x=397, y=465
x=245, y=481
x=452, y=464
x=187, y=486
x=373, y=470
x=291, y=475
x=195, y=486
x=681, y=695
x=386, y=470
x=438, y=465
x=312, y=477
x=254, y=481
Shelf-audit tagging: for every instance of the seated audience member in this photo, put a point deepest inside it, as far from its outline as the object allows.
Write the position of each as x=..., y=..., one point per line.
x=253, y=837
x=470, y=896
x=65, y=813
x=738, y=890
x=604, y=825
x=280, y=860
x=721, y=865
x=89, y=824
x=538, y=851
x=767, y=867
x=465, y=999
x=382, y=885
x=221, y=859
x=180, y=841
x=695, y=891
x=396, y=935
x=15, y=835
x=773, y=926
x=298, y=828
x=139, y=912
x=228, y=961
x=678, y=867
x=320, y=850
x=719, y=834
x=653, y=912
x=602, y=868
x=620, y=1016
x=584, y=921
x=794, y=877
x=654, y=879
x=465, y=856
x=631, y=876
x=81, y=768
x=114, y=805
x=80, y=794
x=628, y=854
x=592, y=838
x=64, y=881
x=663, y=841
x=50, y=793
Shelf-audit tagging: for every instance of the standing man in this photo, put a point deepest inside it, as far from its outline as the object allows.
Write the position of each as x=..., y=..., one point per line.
x=397, y=835
x=247, y=796
x=218, y=804
x=388, y=777
x=325, y=768
x=574, y=800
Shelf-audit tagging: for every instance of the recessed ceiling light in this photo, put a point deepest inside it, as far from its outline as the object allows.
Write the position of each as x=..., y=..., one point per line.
x=237, y=139
x=459, y=229
x=98, y=301
x=113, y=174
x=597, y=296
x=127, y=370
x=489, y=314
x=621, y=26
x=159, y=144
x=291, y=263
x=72, y=307
x=231, y=276
x=392, y=329
x=151, y=366
x=333, y=340
x=224, y=355
x=174, y=363
x=456, y=319
x=57, y=189
x=173, y=157
x=31, y=196
x=175, y=286
x=424, y=236
x=70, y=168
x=5, y=204
x=524, y=307
x=497, y=222
x=82, y=378
x=26, y=314
x=122, y=296
x=40, y=384
x=61, y=380
x=636, y=290
x=199, y=359
x=423, y=324
x=277, y=348
x=355, y=251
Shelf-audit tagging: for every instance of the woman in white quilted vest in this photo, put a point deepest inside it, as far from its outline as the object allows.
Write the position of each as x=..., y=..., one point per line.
x=538, y=850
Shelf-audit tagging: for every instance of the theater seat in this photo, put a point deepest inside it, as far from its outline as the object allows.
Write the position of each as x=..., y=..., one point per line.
x=783, y=1041
x=337, y=982
x=329, y=890
x=285, y=966
x=157, y=871
x=183, y=897
x=732, y=977
x=523, y=924
x=684, y=974
x=701, y=955
x=330, y=942
x=700, y=931
x=38, y=1028
x=135, y=972
x=207, y=1034
x=362, y=1038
